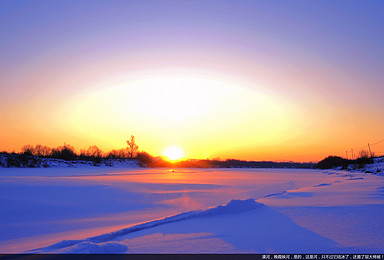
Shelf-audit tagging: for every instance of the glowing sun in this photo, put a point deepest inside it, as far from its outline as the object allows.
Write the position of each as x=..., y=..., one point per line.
x=173, y=153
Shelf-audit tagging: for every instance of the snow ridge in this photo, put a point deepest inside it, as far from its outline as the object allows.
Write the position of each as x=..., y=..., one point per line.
x=102, y=242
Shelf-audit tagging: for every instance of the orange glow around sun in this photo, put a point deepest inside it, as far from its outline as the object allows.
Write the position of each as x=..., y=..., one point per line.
x=173, y=153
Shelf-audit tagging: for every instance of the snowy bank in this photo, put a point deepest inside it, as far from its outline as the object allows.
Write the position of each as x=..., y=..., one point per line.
x=16, y=160
x=377, y=167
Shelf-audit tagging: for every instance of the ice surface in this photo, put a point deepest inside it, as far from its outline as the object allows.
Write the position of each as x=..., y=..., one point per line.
x=95, y=210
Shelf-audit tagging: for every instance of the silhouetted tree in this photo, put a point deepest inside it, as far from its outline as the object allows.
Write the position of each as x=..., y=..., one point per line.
x=112, y=155
x=83, y=154
x=27, y=149
x=65, y=152
x=38, y=150
x=95, y=152
x=118, y=154
x=364, y=154
x=332, y=161
x=45, y=151
x=132, y=147
x=144, y=157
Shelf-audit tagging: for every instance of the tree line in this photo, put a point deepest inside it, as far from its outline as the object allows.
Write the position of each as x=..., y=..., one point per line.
x=94, y=153
x=68, y=152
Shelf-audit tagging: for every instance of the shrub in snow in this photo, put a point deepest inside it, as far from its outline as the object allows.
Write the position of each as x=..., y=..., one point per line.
x=331, y=162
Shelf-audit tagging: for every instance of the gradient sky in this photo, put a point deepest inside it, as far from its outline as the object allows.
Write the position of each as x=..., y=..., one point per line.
x=254, y=80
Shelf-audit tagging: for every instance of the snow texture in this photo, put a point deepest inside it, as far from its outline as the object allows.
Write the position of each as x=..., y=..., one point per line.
x=377, y=167
x=95, y=248
x=99, y=244
x=145, y=210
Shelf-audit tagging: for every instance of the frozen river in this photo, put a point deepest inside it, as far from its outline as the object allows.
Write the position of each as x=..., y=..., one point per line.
x=292, y=210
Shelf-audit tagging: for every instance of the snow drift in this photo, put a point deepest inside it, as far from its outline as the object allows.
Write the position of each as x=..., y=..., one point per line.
x=103, y=244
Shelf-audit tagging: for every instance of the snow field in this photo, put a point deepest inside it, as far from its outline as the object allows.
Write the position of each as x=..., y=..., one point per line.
x=190, y=211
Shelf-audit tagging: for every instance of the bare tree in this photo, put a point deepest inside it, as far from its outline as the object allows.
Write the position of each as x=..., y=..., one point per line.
x=132, y=147
x=46, y=151
x=94, y=151
x=27, y=149
x=38, y=150
x=83, y=153
x=364, y=154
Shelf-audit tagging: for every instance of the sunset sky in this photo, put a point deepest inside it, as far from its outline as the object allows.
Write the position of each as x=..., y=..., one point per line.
x=252, y=80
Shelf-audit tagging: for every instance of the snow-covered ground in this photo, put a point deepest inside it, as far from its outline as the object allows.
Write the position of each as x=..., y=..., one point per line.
x=110, y=210
x=375, y=168
x=40, y=162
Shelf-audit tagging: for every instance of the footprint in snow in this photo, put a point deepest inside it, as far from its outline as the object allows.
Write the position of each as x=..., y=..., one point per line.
x=323, y=184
